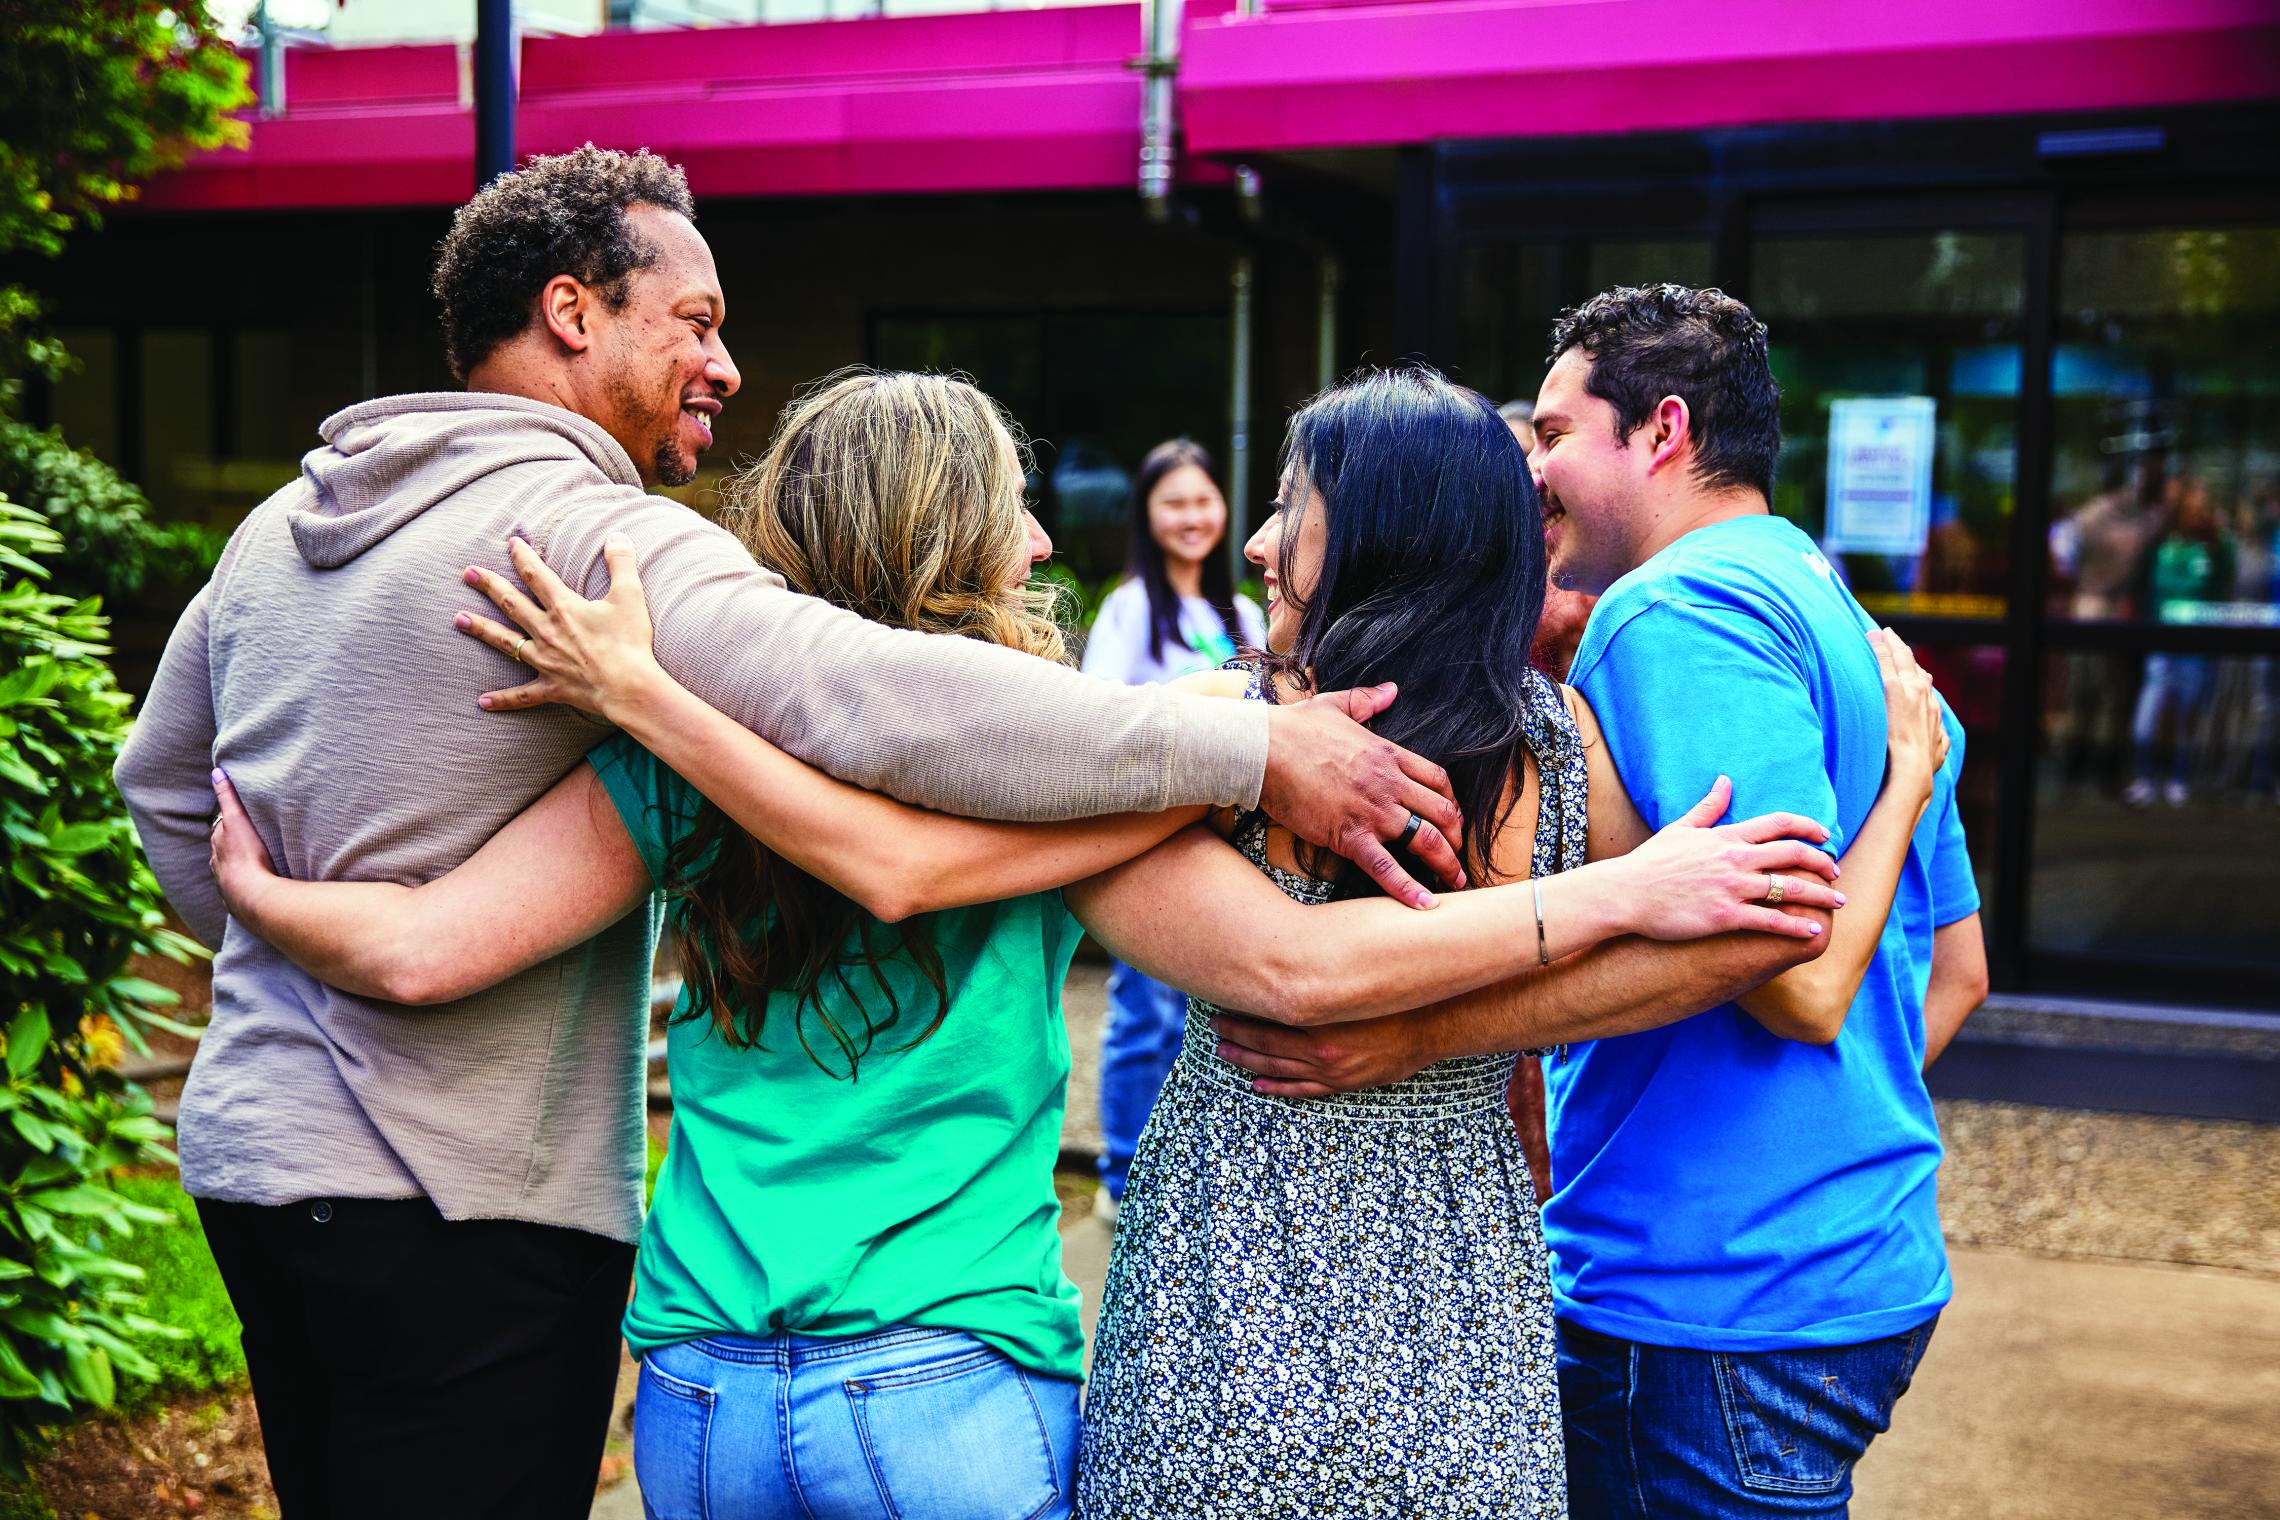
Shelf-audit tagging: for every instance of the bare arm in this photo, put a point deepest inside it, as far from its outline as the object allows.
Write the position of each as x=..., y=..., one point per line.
x=162, y=773
x=969, y=728
x=1809, y=1002
x=1617, y=988
x=561, y=872
x=1195, y=913
x=1958, y=984
x=894, y=859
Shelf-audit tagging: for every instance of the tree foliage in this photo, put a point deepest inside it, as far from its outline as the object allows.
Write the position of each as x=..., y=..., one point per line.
x=112, y=547
x=77, y=905
x=97, y=96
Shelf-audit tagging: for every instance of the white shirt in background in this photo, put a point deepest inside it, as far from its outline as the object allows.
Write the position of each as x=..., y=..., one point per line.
x=1118, y=648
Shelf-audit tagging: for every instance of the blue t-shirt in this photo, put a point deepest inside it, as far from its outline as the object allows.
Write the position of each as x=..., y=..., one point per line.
x=1720, y=1187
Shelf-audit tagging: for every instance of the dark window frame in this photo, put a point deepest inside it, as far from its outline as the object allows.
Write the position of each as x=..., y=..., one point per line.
x=1952, y=174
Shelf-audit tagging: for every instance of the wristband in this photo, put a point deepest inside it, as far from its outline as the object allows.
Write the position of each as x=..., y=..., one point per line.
x=1543, y=944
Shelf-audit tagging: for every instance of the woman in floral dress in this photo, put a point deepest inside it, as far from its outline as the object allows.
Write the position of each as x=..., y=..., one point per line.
x=1343, y=1307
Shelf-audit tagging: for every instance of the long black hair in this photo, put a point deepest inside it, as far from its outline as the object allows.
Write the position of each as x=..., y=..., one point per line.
x=1432, y=576
x=1145, y=559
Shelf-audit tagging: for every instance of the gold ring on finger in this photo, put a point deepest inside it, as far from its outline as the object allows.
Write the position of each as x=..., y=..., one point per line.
x=518, y=649
x=1775, y=888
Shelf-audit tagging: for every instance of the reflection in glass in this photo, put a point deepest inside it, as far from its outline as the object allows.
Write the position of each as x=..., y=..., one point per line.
x=1922, y=522
x=2166, y=407
x=2155, y=830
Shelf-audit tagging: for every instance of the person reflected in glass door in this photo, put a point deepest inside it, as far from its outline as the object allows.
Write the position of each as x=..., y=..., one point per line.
x=2191, y=567
x=1176, y=613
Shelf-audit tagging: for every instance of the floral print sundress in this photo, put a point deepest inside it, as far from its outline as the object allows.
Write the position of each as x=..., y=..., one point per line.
x=1339, y=1307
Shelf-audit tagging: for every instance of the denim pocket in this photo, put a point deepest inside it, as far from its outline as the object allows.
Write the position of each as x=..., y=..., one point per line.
x=672, y=1442
x=1799, y=1420
x=961, y=1438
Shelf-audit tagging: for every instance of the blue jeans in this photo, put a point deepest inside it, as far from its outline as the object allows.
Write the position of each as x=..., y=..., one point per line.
x=2178, y=684
x=1657, y=1432
x=917, y=1424
x=1146, y=1020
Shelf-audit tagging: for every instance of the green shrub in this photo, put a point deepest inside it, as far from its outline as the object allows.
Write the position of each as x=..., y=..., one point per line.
x=76, y=905
x=184, y=1289
x=111, y=547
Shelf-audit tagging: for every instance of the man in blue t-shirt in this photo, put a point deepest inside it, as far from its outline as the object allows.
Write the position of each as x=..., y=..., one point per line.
x=1746, y=1243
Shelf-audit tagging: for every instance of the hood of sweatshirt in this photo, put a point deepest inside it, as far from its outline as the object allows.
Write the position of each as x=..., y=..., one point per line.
x=387, y=461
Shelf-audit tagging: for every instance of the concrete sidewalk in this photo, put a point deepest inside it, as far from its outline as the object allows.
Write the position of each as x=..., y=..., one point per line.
x=2078, y=1372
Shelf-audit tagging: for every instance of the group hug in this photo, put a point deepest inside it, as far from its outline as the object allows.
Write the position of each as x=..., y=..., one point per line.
x=468, y=719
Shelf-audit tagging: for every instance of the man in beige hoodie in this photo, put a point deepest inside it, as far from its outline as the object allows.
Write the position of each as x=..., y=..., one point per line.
x=425, y=1216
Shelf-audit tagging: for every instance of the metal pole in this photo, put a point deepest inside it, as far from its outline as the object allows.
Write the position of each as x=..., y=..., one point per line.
x=1239, y=415
x=272, y=64
x=494, y=89
x=1326, y=324
x=1160, y=33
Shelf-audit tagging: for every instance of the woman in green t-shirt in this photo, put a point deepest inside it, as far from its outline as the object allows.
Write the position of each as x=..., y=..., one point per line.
x=849, y=1298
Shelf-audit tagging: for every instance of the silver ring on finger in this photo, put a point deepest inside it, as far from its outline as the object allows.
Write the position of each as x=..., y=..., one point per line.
x=1776, y=888
x=519, y=648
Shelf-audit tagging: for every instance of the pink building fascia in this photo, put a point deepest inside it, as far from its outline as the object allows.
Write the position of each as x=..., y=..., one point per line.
x=1043, y=100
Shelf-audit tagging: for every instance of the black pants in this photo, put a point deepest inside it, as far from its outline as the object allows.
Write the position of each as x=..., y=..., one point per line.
x=404, y=1364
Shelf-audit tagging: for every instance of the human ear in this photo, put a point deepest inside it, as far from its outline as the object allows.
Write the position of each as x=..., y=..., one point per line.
x=1670, y=429
x=562, y=306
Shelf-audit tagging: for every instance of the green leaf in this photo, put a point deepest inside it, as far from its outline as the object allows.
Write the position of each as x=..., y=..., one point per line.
x=34, y=1129
x=27, y=1042
x=145, y=992
x=87, y=1372
x=79, y=838
x=16, y=1380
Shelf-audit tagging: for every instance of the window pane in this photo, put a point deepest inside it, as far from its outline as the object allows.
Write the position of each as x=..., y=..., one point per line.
x=2155, y=831
x=87, y=397
x=2166, y=405
x=1970, y=677
x=178, y=422
x=1512, y=291
x=1094, y=391
x=1898, y=359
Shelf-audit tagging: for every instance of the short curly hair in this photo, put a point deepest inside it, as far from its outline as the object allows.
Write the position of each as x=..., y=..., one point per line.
x=1702, y=346
x=559, y=215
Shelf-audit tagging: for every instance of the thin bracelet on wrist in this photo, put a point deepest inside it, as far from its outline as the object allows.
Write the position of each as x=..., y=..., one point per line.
x=1543, y=942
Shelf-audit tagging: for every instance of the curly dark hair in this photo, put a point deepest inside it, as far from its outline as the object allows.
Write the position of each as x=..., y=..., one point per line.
x=559, y=215
x=1702, y=346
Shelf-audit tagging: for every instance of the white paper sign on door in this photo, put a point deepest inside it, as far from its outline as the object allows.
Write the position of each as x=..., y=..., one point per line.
x=1880, y=474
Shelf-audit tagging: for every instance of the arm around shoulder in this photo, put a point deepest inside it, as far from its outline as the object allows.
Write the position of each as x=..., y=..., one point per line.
x=946, y=723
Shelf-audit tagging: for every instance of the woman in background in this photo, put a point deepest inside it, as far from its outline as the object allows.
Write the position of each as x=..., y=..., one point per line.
x=1176, y=613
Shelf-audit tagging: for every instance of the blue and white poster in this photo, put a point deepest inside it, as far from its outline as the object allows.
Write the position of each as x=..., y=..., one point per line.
x=1880, y=474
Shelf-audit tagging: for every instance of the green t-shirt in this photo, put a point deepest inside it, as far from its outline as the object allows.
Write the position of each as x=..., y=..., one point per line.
x=920, y=1193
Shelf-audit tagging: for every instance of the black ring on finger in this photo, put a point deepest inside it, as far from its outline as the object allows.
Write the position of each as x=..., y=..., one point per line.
x=1409, y=832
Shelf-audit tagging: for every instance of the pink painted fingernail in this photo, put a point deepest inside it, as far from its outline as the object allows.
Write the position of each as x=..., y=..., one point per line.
x=1816, y=929
x=483, y=702
x=462, y=622
x=1840, y=899
x=473, y=576
x=218, y=777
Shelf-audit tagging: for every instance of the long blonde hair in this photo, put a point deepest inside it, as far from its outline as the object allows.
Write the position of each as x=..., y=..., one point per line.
x=899, y=497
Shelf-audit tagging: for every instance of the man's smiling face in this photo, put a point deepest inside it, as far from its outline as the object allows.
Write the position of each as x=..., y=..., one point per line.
x=1592, y=482
x=665, y=370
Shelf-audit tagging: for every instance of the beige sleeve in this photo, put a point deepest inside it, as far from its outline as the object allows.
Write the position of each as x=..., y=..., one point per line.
x=945, y=723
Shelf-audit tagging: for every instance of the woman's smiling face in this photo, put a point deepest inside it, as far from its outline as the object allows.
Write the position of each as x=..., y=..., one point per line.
x=1298, y=520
